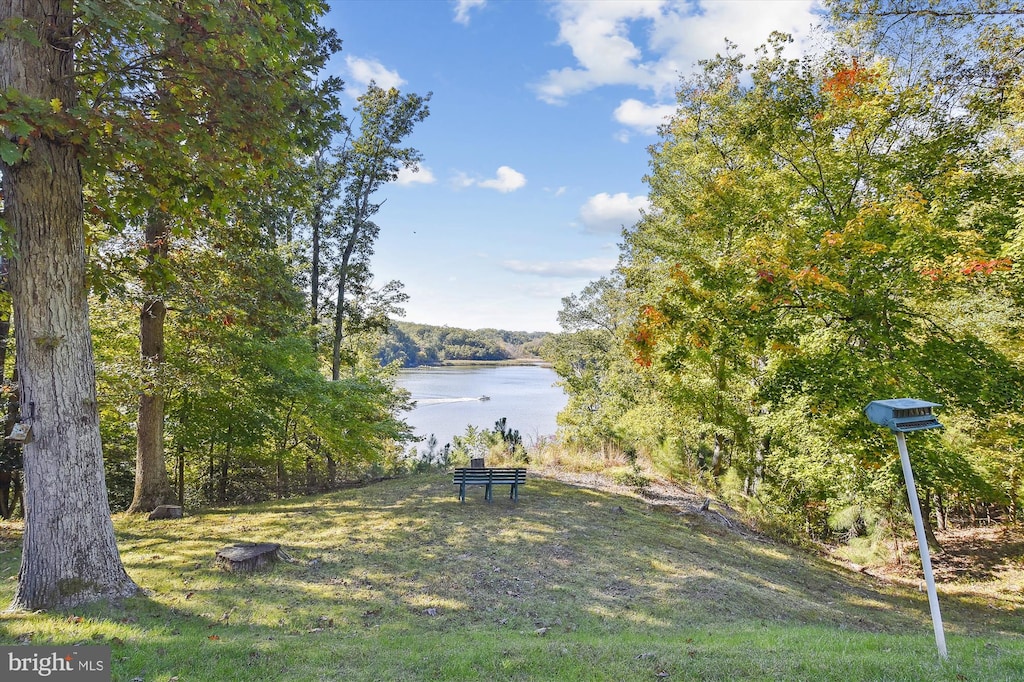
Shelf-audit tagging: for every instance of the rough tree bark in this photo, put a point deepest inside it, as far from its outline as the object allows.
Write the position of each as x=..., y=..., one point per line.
x=69, y=552
x=339, y=311
x=925, y=500
x=152, y=485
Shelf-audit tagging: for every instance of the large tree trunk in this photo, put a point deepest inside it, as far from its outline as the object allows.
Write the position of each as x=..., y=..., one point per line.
x=314, y=275
x=718, y=456
x=69, y=554
x=339, y=311
x=322, y=193
x=339, y=328
x=152, y=485
x=925, y=501
x=10, y=493
x=225, y=470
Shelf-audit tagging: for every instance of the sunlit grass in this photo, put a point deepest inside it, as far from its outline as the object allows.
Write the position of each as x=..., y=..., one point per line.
x=398, y=581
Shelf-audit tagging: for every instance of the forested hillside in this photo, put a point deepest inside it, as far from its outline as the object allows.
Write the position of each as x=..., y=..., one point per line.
x=411, y=344
x=824, y=232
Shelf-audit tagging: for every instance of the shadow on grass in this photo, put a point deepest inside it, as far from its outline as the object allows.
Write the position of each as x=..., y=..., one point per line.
x=404, y=560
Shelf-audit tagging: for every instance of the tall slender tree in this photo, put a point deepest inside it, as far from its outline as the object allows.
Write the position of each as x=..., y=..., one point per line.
x=370, y=159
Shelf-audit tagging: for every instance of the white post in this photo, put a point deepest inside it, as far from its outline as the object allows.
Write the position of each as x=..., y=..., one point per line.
x=922, y=542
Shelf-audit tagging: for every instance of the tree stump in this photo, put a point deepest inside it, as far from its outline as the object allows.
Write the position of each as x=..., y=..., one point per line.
x=248, y=556
x=165, y=511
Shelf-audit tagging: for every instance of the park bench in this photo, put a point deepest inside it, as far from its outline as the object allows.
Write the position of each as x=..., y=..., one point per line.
x=489, y=477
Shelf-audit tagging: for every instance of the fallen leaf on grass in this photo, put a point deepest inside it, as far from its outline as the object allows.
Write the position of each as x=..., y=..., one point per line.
x=214, y=637
x=430, y=612
x=541, y=631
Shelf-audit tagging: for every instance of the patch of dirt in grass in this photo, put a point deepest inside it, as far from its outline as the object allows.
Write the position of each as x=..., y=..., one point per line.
x=982, y=566
x=657, y=491
x=660, y=495
x=978, y=566
x=993, y=554
x=979, y=554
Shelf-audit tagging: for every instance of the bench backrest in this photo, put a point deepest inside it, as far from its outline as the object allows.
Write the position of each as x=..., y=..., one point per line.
x=492, y=475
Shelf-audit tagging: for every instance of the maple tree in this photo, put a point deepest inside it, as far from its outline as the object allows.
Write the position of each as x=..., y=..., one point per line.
x=823, y=234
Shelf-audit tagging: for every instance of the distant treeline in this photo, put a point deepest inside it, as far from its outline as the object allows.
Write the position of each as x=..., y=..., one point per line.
x=423, y=344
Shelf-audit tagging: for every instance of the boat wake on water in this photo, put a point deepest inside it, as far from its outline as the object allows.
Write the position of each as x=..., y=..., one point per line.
x=421, y=402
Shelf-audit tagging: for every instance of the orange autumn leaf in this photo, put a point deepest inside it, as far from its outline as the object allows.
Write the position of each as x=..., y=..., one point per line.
x=842, y=85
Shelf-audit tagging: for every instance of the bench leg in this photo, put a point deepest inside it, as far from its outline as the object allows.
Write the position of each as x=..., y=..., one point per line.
x=462, y=493
x=488, y=493
x=514, y=493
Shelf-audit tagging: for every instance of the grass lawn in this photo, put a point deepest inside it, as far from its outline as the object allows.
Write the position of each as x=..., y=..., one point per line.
x=398, y=581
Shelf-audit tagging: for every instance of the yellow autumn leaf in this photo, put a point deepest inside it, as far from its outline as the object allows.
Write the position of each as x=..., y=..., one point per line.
x=56, y=105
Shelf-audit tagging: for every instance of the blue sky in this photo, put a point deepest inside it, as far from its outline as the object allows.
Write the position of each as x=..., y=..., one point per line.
x=537, y=142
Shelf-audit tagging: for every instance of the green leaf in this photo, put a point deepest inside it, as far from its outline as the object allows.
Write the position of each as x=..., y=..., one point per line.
x=10, y=153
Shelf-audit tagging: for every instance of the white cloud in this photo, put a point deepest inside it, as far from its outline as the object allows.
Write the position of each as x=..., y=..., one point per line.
x=462, y=180
x=463, y=7
x=644, y=118
x=362, y=71
x=597, y=32
x=672, y=36
x=586, y=267
x=420, y=175
x=610, y=212
x=507, y=180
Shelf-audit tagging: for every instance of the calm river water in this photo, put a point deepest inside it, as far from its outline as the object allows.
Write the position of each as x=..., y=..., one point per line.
x=448, y=400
